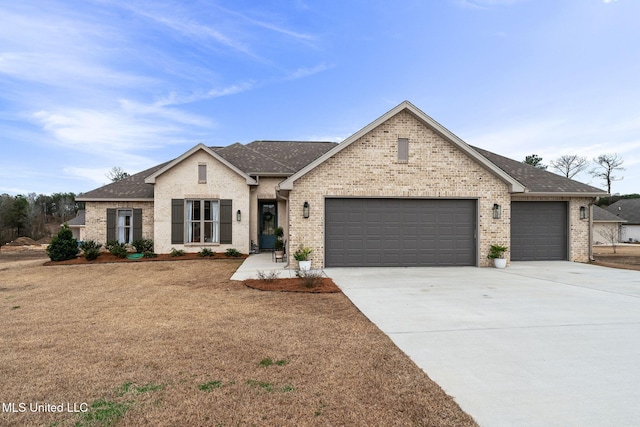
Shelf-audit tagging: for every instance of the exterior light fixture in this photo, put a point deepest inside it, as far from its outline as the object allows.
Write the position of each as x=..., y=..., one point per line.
x=583, y=212
x=305, y=210
x=238, y=216
x=497, y=211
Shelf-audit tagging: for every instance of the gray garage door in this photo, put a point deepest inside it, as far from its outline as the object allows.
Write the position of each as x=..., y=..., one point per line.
x=538, y=231
x=400, y=232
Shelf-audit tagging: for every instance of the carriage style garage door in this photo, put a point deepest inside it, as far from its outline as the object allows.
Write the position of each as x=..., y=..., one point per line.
x=400, y=232
x=538, y=231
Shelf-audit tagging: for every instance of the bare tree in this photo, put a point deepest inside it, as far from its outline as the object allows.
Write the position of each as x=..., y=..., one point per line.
x=535, y=161
x=609, y=232
x=570, y=165
x=117, y=174
x=608, y=164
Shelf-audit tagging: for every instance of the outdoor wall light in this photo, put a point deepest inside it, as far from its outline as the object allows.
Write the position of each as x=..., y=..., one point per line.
x=583, y=212
x=497, y=211
x=305, y=210
x=238, y=216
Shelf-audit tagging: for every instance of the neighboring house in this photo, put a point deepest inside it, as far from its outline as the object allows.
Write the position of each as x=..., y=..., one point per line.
x=77, y=225
x=606, y=226
x=629, y=210
x=402, y=191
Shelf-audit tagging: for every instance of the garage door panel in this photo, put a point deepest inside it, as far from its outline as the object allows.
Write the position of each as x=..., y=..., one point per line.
x=538, y=231
x=400, y=232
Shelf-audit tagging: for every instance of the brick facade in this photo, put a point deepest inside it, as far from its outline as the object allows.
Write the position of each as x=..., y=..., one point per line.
x=96, y=214
x=369, y=167
x=578, y=228
x=181, y=182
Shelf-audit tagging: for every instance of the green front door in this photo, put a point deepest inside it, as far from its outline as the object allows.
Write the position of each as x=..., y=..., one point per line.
x=268, y=220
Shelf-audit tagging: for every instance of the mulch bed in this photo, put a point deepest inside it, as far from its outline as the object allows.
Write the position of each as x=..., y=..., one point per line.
x=326, y=285
x=109, y=258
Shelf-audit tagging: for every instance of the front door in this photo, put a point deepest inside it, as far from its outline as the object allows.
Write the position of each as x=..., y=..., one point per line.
x=268, y=220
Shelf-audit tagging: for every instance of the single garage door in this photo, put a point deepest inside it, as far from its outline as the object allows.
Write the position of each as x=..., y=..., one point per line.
x=538, y=231
x=399, y=232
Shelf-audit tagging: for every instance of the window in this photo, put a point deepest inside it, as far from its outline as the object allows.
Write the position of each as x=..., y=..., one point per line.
x=403, y=150
x=202, y=221
x=125, y=226
x=202, y=173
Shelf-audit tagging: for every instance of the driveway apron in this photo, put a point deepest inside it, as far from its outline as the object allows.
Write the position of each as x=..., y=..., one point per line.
x=536, y=344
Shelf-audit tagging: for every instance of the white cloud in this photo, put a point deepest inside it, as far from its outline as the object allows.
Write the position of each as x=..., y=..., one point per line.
x=609, y=1
x=306, y=72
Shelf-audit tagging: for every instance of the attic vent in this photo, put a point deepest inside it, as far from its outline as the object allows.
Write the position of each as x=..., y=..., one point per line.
x=403, y=150
x=202, y=173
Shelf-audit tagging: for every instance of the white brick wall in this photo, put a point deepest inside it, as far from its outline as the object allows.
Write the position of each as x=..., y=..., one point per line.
x=369, y=167
x=181, y=182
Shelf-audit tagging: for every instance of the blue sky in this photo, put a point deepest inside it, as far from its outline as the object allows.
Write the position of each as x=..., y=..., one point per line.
x=88, y=85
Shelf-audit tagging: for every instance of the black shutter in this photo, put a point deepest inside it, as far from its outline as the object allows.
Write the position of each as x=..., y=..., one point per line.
x=226, y=221
x=137, y=224
x=177, y=221
x=111, y=224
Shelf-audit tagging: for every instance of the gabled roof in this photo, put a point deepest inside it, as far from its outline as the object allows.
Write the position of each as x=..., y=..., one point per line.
x=628, y=209
x=151, y=179
x=272, y=158
x=513, y=184
x=602, y=215
x=520, y=177
x=539, y=181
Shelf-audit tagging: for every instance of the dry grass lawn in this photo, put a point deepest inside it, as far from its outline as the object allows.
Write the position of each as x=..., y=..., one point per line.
x=625, y=256
x=178, y=343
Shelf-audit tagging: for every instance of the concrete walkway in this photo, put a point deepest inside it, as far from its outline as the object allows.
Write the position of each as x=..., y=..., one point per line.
x=262, y=262
x=536, y=344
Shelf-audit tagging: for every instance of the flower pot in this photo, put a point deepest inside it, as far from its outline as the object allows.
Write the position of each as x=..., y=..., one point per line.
x=305, y=265
x=500, y=262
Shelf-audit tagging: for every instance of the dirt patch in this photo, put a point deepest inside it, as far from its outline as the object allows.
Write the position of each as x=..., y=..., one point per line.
x=179, y=343
x=294, y=284
x=23, y=241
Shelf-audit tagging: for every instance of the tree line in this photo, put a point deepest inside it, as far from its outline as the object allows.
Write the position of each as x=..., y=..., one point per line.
x=605, y=168
x=32, y=215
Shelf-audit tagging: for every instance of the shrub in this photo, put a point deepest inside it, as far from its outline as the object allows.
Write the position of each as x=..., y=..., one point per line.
x=91, y=249
x=150, y=254
x=176, y=252
x=63, y=246
x=267, y=277
x=205, y=252
x=233, y=252
x=116, y=248
x=143, y=245
x=309, y=279
x=89, y=244
x=92, y=254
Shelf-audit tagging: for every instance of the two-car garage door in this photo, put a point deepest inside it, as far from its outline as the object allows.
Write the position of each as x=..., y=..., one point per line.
x=373, y=232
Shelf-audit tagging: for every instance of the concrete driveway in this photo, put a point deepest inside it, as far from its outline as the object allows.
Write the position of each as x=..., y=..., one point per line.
x=536, y=344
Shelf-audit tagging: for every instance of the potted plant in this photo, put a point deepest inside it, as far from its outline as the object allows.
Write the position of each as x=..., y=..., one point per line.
x=278, y=246
x=302, y=256
x=496, y=253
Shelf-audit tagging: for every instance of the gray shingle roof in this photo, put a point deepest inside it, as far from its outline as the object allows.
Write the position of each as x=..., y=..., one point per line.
x=628, y=209
x=284, y=158
x=132, y=187
x=78, y=220
x=537, y=180
x=602, y=215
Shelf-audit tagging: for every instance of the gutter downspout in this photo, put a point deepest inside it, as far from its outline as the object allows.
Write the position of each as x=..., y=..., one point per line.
x=280, y=196
x=595, y=199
